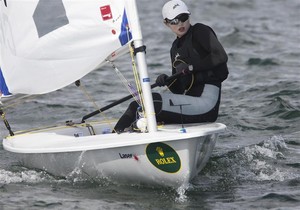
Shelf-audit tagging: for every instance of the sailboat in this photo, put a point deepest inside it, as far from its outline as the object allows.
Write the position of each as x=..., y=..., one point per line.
x=48, y=45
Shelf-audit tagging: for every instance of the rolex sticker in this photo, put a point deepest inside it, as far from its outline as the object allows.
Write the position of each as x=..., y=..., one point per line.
x=163, y=157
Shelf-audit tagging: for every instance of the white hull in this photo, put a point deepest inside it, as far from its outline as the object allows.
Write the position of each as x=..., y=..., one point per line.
x=165, y=158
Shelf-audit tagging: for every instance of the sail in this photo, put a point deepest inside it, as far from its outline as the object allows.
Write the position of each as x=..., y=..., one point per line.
x=3, y=87
x=49, y=44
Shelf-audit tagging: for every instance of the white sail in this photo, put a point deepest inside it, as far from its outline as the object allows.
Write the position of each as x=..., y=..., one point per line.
x=46, y=45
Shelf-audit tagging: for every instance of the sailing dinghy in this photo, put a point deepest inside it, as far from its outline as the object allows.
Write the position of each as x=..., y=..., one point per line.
x=47, y=45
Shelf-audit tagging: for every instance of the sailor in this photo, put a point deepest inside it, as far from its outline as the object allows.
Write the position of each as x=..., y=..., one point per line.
x=199, y=59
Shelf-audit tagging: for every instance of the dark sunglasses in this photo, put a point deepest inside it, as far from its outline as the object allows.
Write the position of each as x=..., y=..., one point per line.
x=179, y=18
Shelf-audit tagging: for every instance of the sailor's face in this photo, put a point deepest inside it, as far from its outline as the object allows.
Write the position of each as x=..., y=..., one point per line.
x=180, y=28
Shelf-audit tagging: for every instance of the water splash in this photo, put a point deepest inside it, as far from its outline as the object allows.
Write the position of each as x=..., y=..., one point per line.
x=30, y=176
x=265, y=161
x=181, y=193
x=78, y=175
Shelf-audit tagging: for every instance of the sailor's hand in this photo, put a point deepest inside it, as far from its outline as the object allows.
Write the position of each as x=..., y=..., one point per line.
x=183, y=68
x=161, y=80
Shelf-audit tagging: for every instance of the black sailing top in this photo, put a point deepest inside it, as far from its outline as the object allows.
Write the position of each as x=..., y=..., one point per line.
x=200, y=48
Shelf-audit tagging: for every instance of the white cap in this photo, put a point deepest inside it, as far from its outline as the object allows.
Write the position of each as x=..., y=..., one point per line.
x=173, y=8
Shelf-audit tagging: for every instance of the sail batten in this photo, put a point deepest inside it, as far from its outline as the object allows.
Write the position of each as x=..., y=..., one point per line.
x=44, y=51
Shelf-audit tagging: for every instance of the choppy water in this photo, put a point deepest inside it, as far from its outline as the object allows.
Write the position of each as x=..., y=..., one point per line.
x=255, y=165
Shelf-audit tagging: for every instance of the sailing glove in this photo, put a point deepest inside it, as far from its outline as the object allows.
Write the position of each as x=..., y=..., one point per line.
x=161, y=80
x=183, y=68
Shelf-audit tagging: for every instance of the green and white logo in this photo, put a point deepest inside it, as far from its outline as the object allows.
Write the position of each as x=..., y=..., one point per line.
x=163, y=157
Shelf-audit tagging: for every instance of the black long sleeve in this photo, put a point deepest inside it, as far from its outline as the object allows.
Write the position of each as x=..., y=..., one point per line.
x=208, y=46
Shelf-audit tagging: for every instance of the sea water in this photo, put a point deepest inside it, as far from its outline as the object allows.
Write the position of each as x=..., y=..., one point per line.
x=255, y=164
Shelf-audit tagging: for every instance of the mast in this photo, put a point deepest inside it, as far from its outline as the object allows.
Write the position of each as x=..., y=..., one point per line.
x=142, y=66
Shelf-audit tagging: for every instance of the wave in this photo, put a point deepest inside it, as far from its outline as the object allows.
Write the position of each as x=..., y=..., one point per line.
x=280, y=197
x=266, y=161
x=262, y=62
x=282, y=109
x=237, y=37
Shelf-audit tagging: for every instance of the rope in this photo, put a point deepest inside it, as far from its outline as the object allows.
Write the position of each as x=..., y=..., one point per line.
x=90, y=98
x=192, y=82
x=18, y=100
x=126, y=83
x=178, y=60
x=193, y=77
x=136, y=77
x=137, y=95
